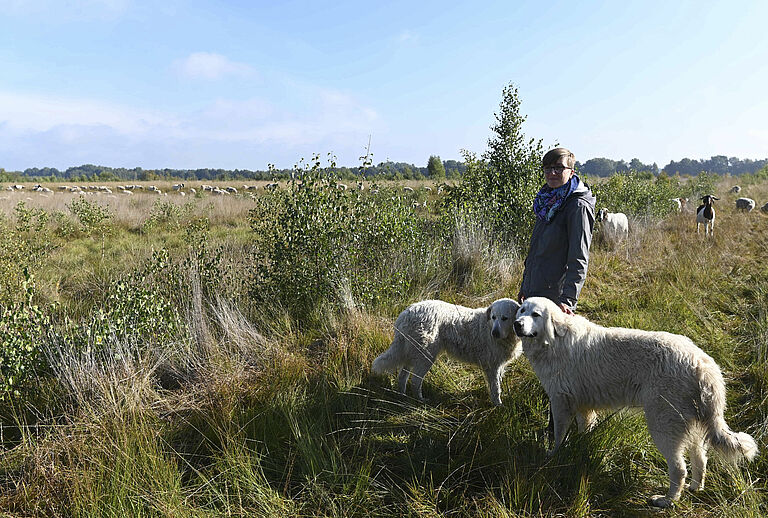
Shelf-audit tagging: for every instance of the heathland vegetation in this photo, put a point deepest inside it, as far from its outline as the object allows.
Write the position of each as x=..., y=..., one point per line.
x=209, y=354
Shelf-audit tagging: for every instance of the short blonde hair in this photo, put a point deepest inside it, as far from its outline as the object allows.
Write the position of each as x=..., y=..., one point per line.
x=553, y=155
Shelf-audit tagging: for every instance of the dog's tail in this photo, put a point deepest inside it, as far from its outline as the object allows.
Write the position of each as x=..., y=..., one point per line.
x=735, y=446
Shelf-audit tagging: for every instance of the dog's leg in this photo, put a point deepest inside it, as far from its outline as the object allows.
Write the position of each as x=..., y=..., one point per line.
x=419, y=371
x=561, y=417
x=698, y=454
x=402, y=379
x=670, y=445
x=493, y=376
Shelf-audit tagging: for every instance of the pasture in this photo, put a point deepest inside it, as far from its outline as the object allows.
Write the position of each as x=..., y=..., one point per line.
x=207, y=355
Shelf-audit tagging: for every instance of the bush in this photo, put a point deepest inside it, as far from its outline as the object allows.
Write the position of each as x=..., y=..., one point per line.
x=319, y=244
x=636, y=194
x=22, y=326
x=93, y=217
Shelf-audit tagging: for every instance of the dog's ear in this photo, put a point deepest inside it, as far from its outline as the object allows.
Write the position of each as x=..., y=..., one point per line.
x=488, y=312
x=559, y=325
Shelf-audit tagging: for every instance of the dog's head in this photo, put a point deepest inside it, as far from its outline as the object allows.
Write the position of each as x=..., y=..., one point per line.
x=540, y=318
x=501, y=314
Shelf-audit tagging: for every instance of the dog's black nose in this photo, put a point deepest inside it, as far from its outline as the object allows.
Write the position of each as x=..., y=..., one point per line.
x=518, y=328
x=495, y=333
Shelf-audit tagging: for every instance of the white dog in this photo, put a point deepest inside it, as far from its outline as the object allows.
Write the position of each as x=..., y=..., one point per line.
x=482, y=337
x=585, y=367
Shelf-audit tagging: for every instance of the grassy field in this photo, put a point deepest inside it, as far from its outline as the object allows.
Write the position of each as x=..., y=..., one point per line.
x=169, y=381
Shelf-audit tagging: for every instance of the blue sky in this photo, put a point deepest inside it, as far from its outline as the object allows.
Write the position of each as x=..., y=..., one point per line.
x=242, y=84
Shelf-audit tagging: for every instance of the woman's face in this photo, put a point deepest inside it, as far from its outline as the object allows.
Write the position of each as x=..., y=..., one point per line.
x=559, y=173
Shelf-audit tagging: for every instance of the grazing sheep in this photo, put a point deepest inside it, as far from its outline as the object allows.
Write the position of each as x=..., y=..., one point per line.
x=745, y=204
x=482, y=337
x=408, y=189
x=735, y=189
x=178, y=186
x=615, y=225
x=705, y=213
x=231, y=190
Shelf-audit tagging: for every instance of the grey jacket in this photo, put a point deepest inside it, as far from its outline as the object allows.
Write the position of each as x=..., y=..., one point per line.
x=558, y=257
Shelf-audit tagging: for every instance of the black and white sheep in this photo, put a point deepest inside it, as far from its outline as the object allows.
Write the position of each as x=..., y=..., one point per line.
x=705, y=213
x=745, y=204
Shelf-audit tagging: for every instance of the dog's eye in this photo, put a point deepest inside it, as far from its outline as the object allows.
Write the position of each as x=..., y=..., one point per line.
x=504, y=318
x=493, y=317
x=535, y=314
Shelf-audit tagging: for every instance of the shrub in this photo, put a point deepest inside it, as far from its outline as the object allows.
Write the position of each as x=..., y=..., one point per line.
x=22, y=326
x=316, y=243
x=636, y=194
x=498, y=190
x=166, y=214
x=93, y=217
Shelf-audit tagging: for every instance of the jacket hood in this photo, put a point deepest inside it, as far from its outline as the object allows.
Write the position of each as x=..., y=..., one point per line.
x=582, y=190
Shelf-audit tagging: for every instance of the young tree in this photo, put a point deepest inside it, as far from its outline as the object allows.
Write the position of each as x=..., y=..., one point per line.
x=498, y=189
x=436, y=168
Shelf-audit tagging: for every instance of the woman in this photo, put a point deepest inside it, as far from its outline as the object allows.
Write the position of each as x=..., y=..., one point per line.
x=558, y=257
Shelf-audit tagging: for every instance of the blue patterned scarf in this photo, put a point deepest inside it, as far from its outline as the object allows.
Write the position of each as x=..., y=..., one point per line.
x=548, y=201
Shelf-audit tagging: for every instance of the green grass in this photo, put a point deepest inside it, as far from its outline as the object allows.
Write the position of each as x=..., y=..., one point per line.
x=250, y=413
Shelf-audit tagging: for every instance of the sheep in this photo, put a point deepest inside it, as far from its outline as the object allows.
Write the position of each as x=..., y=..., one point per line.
x=231, y=190
x=764, y=208
x=735, y=189
x=615, y=224
x=745, y=204
x=178, y=186
x=705, y=213
x=408, y=189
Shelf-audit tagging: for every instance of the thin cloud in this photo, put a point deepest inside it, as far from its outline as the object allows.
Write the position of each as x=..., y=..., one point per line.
x=210, y=65
x=407, y=37
x=38, y=130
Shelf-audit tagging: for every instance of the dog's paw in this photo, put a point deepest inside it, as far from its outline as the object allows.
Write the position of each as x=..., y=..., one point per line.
x=661, y=501
x=695, y=486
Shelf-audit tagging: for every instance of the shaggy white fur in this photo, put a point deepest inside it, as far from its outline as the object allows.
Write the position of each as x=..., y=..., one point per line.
x=482, y=337
x=585, y=367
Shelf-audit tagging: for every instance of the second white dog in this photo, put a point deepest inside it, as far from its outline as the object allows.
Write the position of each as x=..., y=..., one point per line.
x=482, y=337
x=585, y=367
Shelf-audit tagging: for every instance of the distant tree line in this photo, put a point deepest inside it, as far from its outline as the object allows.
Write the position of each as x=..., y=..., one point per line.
x=719, y=164
x=435, y=169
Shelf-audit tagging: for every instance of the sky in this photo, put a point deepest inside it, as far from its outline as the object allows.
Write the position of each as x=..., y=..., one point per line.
x=244, y=84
